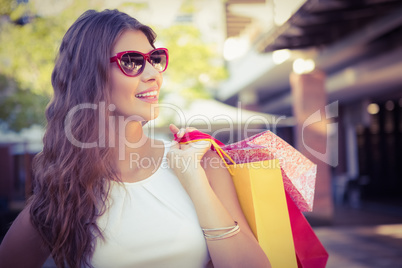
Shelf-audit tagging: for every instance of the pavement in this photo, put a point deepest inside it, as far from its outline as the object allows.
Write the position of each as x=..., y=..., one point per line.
x=365, y=237
x=378, y=246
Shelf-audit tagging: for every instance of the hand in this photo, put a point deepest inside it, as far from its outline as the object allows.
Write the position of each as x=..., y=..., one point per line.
x=180, y=132
x=185, y=159
x=193, y=150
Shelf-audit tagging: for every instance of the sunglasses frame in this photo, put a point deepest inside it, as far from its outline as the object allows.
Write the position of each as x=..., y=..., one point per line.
x=146, y=56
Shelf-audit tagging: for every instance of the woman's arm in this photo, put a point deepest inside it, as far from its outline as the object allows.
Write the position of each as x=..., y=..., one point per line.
x=22, y=246
x=211, y=189
x=241, y=250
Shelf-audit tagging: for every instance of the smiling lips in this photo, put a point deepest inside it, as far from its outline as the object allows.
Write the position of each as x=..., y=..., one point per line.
x=150, y=96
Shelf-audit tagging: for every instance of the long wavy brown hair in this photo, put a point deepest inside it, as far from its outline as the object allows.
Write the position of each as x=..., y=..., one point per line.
x=72, y=182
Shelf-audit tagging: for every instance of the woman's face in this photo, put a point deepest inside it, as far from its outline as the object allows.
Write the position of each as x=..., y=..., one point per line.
x=125, y=89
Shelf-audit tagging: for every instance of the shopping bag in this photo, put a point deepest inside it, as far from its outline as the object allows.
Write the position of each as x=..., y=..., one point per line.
x=310, y=252
x=261, y=194
x=259, y=188
x=298, y=172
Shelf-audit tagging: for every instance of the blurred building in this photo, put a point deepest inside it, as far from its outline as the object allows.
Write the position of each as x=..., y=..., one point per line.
x=336, y=66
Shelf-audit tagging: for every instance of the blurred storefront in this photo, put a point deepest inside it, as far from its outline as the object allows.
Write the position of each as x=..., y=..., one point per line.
x=341, y=58
x=16, y=154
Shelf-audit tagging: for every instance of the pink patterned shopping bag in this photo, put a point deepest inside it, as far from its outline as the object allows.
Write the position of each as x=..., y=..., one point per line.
x=298, y=172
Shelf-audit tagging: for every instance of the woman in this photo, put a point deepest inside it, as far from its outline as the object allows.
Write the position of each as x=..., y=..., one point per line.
x=94, y=202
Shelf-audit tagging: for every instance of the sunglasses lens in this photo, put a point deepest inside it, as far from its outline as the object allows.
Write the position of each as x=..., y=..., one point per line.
x=158, y=59
x=132, y=63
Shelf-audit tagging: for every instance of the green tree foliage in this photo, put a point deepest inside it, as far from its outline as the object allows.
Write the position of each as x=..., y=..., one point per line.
x=7, y=6
x=27, y=54
x=22, y=108
x=193, y=65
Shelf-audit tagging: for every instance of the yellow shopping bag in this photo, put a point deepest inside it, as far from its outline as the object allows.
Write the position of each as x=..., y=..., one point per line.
x=261, y=193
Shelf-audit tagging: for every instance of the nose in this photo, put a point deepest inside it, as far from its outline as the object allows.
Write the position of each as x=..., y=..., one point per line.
x=149, y=73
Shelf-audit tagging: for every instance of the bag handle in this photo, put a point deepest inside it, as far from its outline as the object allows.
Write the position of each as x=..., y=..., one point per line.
x=197, y=135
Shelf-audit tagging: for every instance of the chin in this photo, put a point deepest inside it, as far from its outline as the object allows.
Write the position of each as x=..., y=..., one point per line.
x=135, y=116
x=149, y=117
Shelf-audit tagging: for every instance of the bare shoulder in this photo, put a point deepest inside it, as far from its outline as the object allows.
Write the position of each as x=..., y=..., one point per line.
x=22, y=246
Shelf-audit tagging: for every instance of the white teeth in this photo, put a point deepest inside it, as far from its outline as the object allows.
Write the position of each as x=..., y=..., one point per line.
x=148, y=94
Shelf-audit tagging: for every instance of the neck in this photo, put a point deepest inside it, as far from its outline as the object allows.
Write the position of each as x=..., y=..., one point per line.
x=130, y=139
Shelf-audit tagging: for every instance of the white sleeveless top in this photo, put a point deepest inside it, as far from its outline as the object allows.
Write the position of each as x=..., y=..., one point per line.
x=150, y=223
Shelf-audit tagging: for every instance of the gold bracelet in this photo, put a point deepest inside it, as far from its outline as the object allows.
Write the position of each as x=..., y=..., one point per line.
x=233, y=231
x=219, y=229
